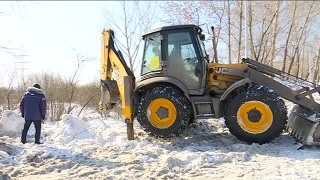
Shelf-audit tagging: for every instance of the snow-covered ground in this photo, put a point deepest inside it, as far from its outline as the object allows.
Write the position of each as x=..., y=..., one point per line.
x=96, y=148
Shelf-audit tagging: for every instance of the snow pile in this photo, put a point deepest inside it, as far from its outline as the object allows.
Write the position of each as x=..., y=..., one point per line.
x=72, y=128
x=11, y=122
x=97, y=148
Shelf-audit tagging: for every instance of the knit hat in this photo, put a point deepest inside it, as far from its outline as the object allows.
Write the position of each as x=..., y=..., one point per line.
x=37, y=86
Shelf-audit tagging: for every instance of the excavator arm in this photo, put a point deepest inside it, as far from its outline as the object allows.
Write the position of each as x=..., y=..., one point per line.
x=116, y=79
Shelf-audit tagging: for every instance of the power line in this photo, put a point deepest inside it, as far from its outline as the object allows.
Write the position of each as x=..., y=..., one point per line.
x=22, y=69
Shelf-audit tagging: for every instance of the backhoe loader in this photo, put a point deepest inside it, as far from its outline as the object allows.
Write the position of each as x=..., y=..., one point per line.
x=179, y=84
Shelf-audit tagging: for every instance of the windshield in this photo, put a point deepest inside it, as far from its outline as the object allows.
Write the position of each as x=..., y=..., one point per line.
x=152, y=54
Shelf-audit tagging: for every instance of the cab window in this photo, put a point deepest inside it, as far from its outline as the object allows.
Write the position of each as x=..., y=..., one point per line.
x=152, y=54
x=184, y=61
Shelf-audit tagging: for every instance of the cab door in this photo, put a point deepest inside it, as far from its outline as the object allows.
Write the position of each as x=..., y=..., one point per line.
x=184, y=59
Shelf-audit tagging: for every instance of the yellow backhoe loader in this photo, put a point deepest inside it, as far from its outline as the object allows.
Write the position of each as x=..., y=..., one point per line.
x=179, y=84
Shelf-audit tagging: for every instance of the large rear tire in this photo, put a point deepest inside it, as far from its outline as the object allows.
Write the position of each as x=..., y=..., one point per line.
x=256, y=114
x=164, y=111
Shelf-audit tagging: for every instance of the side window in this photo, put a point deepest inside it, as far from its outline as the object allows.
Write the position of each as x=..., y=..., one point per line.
x=184, y=61
x=181, y=51
x=152, y=54
x=187, y=51
x=170, y=48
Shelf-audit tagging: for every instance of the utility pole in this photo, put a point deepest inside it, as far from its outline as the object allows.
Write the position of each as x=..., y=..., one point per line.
x=21, y=67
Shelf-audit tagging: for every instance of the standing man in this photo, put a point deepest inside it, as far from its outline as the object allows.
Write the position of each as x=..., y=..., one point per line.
x=33, y=109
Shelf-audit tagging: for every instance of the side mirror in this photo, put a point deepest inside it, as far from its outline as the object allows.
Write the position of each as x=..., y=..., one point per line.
x=202, y=37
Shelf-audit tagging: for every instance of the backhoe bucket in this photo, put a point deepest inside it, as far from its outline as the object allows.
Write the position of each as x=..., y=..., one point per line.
x=109, y=94
x=303, y=124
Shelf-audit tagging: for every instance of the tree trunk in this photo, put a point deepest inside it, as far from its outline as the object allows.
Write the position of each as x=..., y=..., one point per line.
x=288, y=37
x=240, y=30
x=274, y=35
x=316, y=66
x=8, y=101
x=250, y=32
x=298, y=64
x=229, y=33
x=263, y=35
x=300, y=37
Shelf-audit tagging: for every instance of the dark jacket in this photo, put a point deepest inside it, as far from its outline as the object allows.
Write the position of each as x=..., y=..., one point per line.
x=33, y=104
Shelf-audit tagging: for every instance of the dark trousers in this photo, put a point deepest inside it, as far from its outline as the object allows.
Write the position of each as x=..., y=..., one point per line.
x=37, y=125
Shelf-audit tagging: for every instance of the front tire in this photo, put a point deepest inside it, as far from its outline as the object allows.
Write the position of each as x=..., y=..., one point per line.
x=256, y=115
x=164, y=111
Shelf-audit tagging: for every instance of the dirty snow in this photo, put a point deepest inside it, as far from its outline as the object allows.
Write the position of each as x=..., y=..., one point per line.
x=97, y=148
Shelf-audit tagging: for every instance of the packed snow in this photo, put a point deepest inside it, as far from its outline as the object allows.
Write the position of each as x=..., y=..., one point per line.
x=91, y=147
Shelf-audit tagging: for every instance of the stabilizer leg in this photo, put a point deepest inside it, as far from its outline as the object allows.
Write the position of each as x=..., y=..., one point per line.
x=130, y=132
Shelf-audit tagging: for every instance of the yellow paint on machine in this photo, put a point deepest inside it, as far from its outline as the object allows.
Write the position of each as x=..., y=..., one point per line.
x=255, y=127
x=104, y=73
x=155, y=120
x=118, y=73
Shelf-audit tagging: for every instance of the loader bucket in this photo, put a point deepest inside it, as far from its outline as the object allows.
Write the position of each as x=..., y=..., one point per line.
x=109, y=94
x=303, y=124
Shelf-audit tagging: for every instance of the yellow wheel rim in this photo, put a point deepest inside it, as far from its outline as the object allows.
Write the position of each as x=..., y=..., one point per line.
x=258, y=124
x=162, y=113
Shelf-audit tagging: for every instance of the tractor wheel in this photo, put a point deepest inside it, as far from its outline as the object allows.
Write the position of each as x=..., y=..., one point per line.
x=256, y=115
x=164, y=111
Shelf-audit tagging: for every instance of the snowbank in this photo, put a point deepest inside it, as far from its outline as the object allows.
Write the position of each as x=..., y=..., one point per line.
x=72, y=128
x=11, y=123
x=99, y=149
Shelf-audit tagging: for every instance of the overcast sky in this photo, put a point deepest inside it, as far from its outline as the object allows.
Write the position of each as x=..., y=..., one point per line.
x=47, y=33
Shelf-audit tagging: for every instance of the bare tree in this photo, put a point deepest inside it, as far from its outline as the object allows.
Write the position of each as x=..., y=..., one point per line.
x=240, y=31
x=89, y=96
x=181, y=12
x=210, y=12
x=218, y=11
x=260, y=23
x=229, y=33
x=52, y=85
x=300, y=37
x=130, y=22
x=14, y=6
x=281, y=34
x=316, y=65
x=250, y=24
x=275, y=33
x=288, y=37
x=9, y=91
x=72, y=82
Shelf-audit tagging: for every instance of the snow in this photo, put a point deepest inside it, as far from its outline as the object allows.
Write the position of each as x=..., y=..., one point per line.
x=11, y=122
x=92, y=147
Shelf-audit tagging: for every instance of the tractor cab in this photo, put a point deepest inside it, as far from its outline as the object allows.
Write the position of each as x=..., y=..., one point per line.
x=175, y=54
